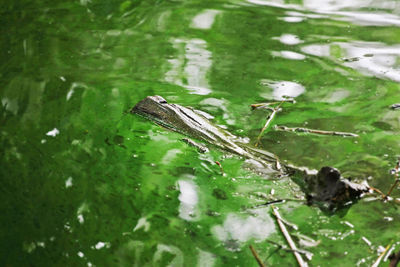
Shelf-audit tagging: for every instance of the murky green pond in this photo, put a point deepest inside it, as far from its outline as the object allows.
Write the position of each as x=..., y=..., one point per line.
x=84, y=183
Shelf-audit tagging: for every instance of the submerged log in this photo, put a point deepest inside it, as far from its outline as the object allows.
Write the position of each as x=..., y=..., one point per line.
x=325, y=186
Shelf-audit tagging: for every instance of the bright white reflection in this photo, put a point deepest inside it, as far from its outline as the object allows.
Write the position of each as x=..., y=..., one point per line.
x=205, y=19
x=73, y=87
x=100, y=245
x=288, y=55
x=206, y=259
x=317, y=50
x=370, y=58
x=191, y=65
x=340, y=9
x=280, y=89
x=374, y=59
x=170, y=156
x=68, y=182
x=288, y=39
x=142, y=223
x=329, y=5
x=189, y=198
x=369, y=19
x=292, y=19
x=53, y=132
x=242, y=229
x=83, y=208
x=275, y=3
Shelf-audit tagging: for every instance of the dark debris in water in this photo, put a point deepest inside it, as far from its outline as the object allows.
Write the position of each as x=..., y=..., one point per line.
x=395, y=106
x=219, y=194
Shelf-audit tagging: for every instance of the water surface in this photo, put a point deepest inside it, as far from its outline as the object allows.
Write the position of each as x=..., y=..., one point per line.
x=84, y=183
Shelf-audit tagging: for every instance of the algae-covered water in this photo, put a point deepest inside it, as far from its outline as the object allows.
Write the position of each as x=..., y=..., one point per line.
x=85, y=183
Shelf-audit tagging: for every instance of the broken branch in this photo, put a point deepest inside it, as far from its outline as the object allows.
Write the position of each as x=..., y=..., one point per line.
x=254, y=252
x=267, y=123
x=378, y=260
x=286, y=234
x=313, y=131
x=396, y=173
x=267, y=105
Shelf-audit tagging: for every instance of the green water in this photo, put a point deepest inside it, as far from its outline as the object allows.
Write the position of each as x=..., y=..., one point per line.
x=84, y=183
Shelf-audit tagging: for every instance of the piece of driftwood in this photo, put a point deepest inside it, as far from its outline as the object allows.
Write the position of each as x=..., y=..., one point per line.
x=327, y=185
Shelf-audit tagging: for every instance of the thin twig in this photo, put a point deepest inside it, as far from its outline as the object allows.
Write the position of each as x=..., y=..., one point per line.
x=287, y=249
x=262, y=106
x=271, y=202
x=254, y=252
x=397, y=178
x=378, y=191
x=267, y=123
x=393, y=186
x=378, y=260
x=286, y=234
x=313, y=131
x=267, y=105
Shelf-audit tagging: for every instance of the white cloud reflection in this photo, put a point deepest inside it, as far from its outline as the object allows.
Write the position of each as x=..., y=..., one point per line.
x=288, y=39
x=242, y=229
x=280, y=89
x=190, y=67
x=189, y=199
x=370, y=58
x=205, y=259
x=205, y=19
x=289, y=55
x=351, y=11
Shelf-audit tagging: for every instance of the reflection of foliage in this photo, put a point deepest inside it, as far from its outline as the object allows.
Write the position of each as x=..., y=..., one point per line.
x=79, y=65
